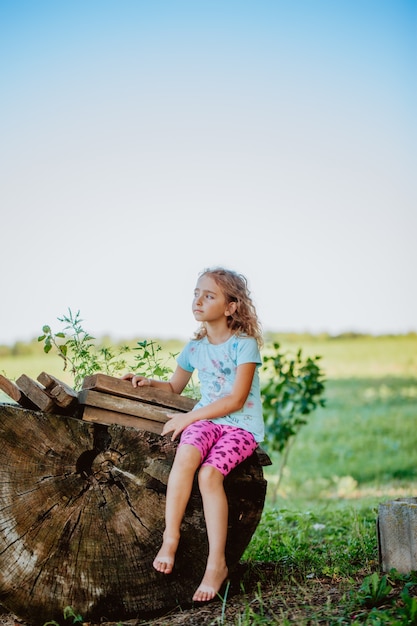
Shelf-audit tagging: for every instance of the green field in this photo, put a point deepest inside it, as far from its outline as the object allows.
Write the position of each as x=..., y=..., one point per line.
x=361, y=446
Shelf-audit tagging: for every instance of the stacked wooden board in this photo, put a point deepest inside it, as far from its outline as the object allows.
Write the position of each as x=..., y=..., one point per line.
x=103, y=399
x=109, y=400
x=47, y=393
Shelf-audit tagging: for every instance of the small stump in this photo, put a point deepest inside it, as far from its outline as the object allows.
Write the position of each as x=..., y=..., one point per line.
x=397, y=535
x=82, y=515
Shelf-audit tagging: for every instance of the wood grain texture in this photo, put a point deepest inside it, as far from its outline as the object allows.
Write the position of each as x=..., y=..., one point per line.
x=124, y=405
x=62, y=394
x=104, y=416
x=36, y=393
x=12, y=390
x=82, y=515
x=124, y=388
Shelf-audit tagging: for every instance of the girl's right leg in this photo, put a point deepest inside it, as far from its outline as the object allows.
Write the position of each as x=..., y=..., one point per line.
x=180, y=483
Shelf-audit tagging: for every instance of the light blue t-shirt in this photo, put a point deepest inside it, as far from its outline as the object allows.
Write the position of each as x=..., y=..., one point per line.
x=216, y=366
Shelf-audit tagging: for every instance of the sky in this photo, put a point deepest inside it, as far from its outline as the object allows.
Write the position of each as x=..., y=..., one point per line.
x=143, y=141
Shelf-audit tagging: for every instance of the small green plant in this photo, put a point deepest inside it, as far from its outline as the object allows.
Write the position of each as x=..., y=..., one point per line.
x=148, y=361
x=84, y=357
x=79, y=351
x=387, y=604
x=292, y=390
x=409, y=608
x=374, y=590
x=68, y=613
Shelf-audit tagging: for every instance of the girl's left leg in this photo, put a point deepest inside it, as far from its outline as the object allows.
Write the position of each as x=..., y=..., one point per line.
x=215, y=507
x=232, y=447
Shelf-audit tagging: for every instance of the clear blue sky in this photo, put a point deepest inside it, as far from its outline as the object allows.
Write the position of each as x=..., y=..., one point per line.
x=142, y=141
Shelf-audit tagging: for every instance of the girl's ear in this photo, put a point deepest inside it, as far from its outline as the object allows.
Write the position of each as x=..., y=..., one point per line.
x=230, y=309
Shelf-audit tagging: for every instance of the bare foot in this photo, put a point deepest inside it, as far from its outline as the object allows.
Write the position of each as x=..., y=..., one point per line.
x=164, y=560
x=212, y=581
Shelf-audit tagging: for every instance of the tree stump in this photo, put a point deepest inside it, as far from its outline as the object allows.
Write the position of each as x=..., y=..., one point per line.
x=82, y=515
x=397, y=535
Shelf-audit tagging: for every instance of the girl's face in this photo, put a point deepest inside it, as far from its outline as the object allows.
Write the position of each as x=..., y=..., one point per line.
x=209, y=303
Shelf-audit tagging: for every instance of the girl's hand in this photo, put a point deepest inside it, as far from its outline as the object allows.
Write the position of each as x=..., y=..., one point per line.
x=137, y=380
x=176, y=424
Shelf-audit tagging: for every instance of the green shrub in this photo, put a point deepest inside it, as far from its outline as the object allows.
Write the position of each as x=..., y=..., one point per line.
x=292, y=390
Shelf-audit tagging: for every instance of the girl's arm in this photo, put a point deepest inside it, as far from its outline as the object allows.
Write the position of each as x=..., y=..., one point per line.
x=219, y=408
x=175, y=384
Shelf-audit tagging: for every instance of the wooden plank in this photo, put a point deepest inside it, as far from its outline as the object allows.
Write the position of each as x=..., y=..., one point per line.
x=36, y=393
x=124, y=405
x=152, y=395
x=103, y=416
x=62, y=394
x=12, y=390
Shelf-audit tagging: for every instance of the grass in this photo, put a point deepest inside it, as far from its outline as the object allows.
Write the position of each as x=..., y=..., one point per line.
x=358, y=357
x=358, y=451
x=364, y=440
x=363, y=443
x=313, y=558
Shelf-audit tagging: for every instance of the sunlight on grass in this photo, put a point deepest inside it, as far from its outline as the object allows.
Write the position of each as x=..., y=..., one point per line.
x=358, y=451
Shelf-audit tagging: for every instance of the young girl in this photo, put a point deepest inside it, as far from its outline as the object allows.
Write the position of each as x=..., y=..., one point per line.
x=225, y=426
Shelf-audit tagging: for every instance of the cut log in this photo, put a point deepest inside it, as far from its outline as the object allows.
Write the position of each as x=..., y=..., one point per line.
x=82, y=515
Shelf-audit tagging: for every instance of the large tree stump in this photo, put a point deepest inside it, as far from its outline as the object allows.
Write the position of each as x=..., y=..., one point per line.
x=82, y=515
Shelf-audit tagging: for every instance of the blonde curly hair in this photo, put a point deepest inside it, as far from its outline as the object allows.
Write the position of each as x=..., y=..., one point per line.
x=235, y=289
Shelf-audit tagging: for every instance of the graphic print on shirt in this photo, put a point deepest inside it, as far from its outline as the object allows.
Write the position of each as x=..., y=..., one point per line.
x=219, y=384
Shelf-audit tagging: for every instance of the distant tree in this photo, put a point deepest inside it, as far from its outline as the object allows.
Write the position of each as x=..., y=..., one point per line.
x=20, y=348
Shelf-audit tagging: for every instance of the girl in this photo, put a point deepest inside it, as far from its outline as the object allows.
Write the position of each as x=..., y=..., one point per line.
x=225, y=426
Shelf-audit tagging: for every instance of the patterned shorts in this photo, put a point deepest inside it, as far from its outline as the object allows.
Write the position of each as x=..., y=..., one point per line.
x=221, y=446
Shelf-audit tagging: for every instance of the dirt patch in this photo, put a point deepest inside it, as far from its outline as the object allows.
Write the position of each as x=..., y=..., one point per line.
x=257, y=594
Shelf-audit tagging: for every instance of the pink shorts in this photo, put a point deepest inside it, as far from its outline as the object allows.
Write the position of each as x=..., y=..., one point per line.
x=221, y=446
